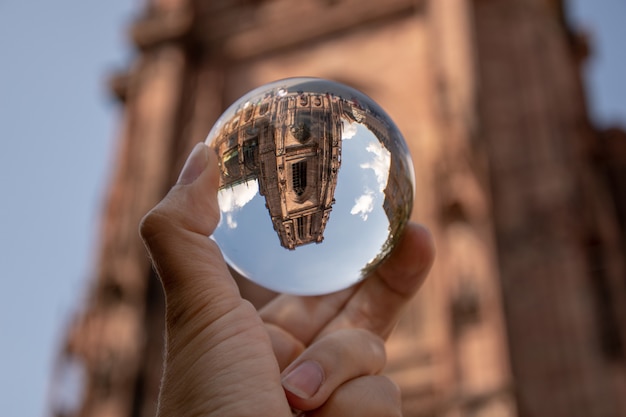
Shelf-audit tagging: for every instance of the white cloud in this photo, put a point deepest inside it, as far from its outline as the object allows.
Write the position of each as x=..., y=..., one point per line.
x=230, y=221
x=363, y=205
x=379, y=164
x=349, y=129
x=234, y=198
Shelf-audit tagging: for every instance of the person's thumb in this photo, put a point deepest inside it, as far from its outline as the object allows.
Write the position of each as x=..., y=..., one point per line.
x=176, y=234
x=219, y=358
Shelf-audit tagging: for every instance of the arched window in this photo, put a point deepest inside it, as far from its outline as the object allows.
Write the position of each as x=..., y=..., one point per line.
x=248, y=113
x=298, y=177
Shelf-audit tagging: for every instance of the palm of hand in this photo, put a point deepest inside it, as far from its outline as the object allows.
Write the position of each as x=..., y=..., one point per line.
x=225, y=358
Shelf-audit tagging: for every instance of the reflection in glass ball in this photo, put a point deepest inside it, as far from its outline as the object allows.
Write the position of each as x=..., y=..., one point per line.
x=316, y=185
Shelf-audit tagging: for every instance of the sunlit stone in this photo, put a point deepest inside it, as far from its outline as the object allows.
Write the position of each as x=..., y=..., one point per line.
x=316, y=185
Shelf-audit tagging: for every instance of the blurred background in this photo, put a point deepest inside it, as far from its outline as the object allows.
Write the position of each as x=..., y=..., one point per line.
x=514, y=113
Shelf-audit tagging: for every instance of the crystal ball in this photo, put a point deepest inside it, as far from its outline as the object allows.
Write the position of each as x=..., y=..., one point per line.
x=316, y=185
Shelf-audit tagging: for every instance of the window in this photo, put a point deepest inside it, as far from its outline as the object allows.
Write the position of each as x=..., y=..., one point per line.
x=249, y=153
x=231, y=162
x=303, y=227
x=248, y=113
x=298, y=177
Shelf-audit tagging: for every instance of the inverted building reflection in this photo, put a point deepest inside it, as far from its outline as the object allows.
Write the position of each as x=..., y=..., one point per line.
x=398, y=191
x=291, y=143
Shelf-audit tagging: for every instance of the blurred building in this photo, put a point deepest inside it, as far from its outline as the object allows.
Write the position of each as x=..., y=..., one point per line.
x=524, y=312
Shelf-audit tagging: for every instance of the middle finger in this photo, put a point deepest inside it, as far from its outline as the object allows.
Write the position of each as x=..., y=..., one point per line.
x=374, y=304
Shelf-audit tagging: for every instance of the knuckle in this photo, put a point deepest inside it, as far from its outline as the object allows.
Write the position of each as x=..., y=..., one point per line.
x=150, y=224
x=389, y=395
x=370, y=344
x=348, y=353
x=394, y=391
x=373, y=395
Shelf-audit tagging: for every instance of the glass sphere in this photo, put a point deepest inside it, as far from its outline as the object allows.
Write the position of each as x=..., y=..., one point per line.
x=316, y=185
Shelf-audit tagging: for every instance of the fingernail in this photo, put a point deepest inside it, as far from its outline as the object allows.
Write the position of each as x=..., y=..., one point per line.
x=304, y=380
x=195, y=164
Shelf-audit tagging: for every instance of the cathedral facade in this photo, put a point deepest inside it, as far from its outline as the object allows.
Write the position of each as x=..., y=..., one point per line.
x=291, y=145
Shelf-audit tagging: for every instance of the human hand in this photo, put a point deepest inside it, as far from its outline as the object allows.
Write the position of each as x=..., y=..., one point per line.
x=223, y=358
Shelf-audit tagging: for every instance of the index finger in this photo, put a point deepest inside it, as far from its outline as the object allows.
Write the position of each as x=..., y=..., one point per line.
x=374, y=304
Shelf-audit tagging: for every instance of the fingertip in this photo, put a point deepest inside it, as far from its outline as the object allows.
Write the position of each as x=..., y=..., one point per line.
x=423, y=243
x=304, y=380
x=195, y=164
x=191, y=204
x=411, y=260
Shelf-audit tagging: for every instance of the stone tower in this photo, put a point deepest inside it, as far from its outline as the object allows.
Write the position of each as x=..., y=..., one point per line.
x=524, y=312
x=291, y=146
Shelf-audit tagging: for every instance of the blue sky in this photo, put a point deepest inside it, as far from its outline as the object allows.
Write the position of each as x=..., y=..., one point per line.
x=57, y=136
x=604, y=21
x=58, y=129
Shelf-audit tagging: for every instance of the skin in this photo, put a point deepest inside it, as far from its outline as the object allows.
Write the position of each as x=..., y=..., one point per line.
x=322, y=355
